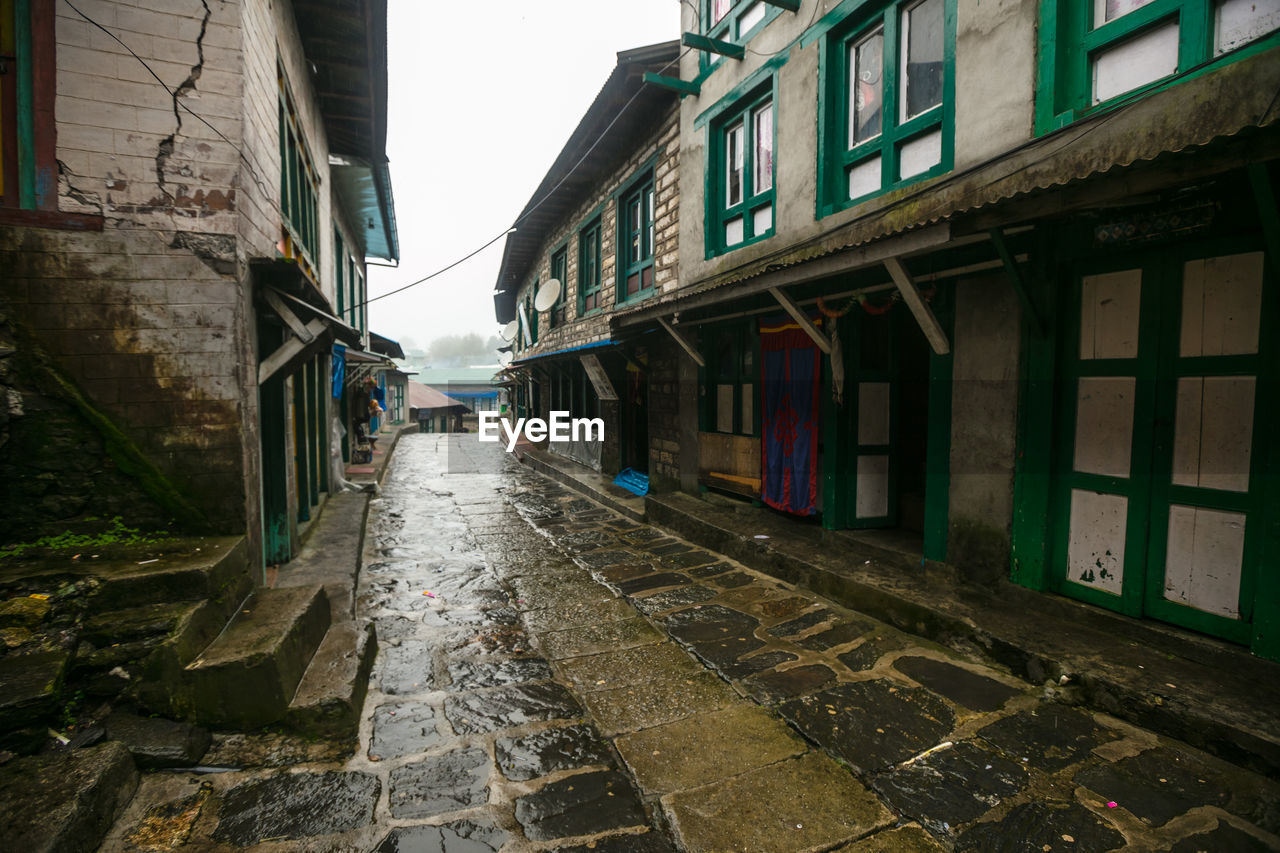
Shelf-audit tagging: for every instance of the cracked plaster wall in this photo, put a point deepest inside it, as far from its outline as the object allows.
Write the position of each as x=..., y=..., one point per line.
x=153, y=316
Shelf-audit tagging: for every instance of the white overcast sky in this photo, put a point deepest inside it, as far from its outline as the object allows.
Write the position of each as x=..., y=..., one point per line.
x=482, y=98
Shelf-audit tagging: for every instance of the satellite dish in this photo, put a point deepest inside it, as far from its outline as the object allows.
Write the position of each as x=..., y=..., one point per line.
x=504, y=358
x=547, y=295
x=508, y=332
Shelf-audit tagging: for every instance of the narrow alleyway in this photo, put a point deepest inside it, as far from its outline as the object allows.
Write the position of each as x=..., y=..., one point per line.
x=552, y=676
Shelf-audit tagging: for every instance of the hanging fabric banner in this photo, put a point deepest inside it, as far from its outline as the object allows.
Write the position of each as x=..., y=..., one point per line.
x=791, y=367
x=339, y=369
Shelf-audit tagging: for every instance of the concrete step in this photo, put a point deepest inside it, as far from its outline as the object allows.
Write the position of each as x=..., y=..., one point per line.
x=195, y=570
x=332, y=691
x=247, y=677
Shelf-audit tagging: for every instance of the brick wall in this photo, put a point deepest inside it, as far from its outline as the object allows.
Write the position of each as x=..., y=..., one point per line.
x=664, y=413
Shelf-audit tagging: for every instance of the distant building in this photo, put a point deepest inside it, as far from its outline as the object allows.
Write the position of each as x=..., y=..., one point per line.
x=434, y=411
x=473, y=387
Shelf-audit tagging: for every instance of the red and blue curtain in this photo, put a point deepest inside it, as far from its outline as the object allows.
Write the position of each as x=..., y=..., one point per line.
x=791, y=367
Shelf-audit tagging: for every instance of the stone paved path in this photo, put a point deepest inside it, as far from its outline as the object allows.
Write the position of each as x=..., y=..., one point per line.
x=575, y=681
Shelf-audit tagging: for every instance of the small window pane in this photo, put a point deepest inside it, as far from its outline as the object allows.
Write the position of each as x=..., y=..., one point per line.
x=720, y=9
x=864, y=178
x=761, y=220
x=724, y=408
x=866, y=93
x=1135, y=62
x=733, y=231
x=1238, y=22
x=922, y=59
x=748, y=411
x=750, y=18
x=733, y=165
x=762, y=149
x=920, y=154
x=1105, y=11
x=648, y=200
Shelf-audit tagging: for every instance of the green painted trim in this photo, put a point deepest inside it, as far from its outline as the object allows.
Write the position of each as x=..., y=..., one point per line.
x=1063, y=92
x=1032, y=480
x=788, y=5
x=635, y=182
x=301, y=455
x=713, y=170
x=835, y=158
x=1266, y=591
x=1029, y=311
x=724, y=48
x=726, y=30
x=25, y=106
x=675, y=84
x=745, y=88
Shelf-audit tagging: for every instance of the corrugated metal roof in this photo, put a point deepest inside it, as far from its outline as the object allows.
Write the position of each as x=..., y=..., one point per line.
x=425, y=397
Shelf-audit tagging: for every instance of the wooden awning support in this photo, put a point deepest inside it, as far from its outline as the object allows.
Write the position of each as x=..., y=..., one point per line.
x=797, y=314
x=675, y=84
x=1015, y=278
x=290, y=319
x=923, y=313
x=683, y=342
x=294, y=351
x=724, y=48
x=789, y=5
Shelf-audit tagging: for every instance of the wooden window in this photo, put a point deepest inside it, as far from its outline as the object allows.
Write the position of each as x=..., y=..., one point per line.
x=744, y=160
x=560, y=272
x=636, y=239
x=299, y=188
x=1106, y=52
x=734, y=21
x=731, y=380
x=589, y=268
x=890, y=116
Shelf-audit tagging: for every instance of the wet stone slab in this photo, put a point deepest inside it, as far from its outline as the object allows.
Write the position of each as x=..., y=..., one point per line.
x=473, y=675
x=1049, y=738
x=673, y=598
x=654, y=580
x=583, y=804
x=1041, y=825
x=667, y=549
x=607, y=559
x=973, y=691
x=838, y=635
x=769, y=688
x=708, y=623
x=722, y=655
x=871, y=724
x=615, y=574
x=952, y=786
x=594, y=639
x=687, y=559
x=545, y=752
x=801, y=624
x=404, y=728
x=732, y=581
x=1155, y=786
x=784, y=608
x=576, y=614
x=510, y=706
x=611, y=670
x=296, y=805
x=866, y=655
x=496, y=640
x=706, y=748
x=406, y=668
x=755, y=663
x=656, y=702
x=805, y=803
x=709, y=571
x=442, y=783
x=901, y=839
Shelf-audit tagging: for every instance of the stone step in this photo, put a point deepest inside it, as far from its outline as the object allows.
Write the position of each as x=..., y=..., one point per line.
x=332, y=690
x=247, y=677
x=195, y=570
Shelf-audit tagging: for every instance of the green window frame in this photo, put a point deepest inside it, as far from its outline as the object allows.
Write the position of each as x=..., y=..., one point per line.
x=730, y=387
x=339, y=278
x=636, y=238
x=299, y=187
x=887, y=116
x=733, y=21
x=589, y=244
x=1190, y=36
x=741, y=172
x=560, y=272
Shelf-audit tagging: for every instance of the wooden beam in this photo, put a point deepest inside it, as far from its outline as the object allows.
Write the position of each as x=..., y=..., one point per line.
x=684, y=87
x=291, y=352
x=789, y=5
x=797, y=314
x=923, y=313
x=724, y=48
x=290, y=319
x=1015, y=278
x=680, y=339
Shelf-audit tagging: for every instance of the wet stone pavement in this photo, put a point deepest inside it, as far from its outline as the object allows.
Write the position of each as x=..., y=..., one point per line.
x=552, y=676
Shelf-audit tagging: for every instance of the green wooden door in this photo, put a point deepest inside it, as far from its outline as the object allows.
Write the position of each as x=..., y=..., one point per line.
x=866, y=455
x=1159, y=486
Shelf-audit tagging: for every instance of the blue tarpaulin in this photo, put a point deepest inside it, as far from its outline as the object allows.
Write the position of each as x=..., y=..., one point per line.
x=339, y=369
